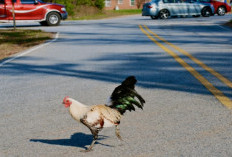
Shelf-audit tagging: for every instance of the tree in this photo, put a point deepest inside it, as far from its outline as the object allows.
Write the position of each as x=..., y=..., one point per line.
x=100, y=4
x=72, y=5
x=13, y=14
x=139, y=3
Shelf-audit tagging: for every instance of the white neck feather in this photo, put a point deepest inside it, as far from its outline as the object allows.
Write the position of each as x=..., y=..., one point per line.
x=77, y=109
x=77, y=103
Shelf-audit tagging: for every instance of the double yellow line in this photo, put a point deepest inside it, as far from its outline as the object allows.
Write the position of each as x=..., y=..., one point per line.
x=216, y=92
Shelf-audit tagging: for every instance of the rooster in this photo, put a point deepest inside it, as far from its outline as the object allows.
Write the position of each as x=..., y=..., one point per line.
x=97, y=117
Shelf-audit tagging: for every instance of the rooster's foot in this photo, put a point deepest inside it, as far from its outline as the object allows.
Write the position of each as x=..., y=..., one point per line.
x=87, y=150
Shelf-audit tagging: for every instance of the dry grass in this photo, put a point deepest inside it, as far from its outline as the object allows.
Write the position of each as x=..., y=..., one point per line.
x=81, y=11
x=14, y=41
x=229, y=23
x=93, y=13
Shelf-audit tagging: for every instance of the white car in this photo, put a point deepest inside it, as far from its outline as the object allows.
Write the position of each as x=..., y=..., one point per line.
x=166, y=8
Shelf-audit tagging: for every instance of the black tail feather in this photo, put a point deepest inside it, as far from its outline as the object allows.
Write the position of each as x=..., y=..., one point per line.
x=124, y=96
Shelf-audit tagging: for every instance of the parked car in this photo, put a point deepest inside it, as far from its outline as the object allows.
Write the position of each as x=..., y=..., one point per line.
x=166, y=8
x=220, y=6
x=46, y=13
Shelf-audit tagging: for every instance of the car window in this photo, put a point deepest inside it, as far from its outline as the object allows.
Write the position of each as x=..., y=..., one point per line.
x=2, y=2
x=169, y=1
x=28, y=1
x=180, y=1
x=192, y=1
x=205, y=1
x=201, y=1
x=174, y=1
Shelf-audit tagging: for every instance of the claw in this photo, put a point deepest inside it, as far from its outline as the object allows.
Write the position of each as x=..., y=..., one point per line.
x=90, y=147
x=87, y=150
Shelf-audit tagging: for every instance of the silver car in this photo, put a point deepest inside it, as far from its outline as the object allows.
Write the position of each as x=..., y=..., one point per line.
x=166, y=8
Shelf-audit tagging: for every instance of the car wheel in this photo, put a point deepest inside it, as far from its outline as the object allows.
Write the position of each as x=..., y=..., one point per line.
x=53, y=19
x=206, y=12
x=164, y=14
x=154, y=17
x=221, y=11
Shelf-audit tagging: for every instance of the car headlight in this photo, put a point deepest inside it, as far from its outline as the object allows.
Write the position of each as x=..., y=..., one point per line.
x=63, y=9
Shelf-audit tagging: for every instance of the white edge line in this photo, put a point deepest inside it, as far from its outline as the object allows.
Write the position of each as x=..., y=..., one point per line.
x=29, y=51
x=225, y=28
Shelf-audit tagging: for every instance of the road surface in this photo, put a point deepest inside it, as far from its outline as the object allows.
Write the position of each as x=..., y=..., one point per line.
x=187, y=110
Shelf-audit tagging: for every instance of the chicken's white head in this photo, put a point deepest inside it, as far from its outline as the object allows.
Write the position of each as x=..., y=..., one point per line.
x=67, y=102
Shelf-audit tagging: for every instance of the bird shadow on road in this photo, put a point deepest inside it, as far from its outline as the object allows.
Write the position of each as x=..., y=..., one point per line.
x=80, y=140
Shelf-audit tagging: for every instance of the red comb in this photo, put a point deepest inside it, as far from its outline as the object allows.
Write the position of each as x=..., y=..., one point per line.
x=65, y=98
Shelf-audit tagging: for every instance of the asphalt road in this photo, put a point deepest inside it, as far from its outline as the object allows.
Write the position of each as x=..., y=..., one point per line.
x=182, y=117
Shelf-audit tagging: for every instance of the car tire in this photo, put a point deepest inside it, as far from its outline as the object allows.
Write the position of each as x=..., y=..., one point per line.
x=164, y=14
x=221, y=11
x=53, y=19
x=154, y=17
x=206, y=12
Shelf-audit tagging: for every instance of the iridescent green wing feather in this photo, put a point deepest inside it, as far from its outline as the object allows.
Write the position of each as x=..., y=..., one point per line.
x=124, y=97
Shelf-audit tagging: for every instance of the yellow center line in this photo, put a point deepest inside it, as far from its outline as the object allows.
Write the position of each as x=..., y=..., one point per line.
x=212, y=71
x=217, y=93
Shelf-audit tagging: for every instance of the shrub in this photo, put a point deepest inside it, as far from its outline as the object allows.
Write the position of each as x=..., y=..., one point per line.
x=100, y=4
x=71, y=5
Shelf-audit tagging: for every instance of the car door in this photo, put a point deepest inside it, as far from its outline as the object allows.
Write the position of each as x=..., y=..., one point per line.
x=30, y=10
x=175, y=7
x=171, y=6
x=2, y=9
x=194, y=7
x=182, y=7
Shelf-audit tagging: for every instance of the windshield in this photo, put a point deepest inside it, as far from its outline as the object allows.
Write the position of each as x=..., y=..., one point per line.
x=202, y=1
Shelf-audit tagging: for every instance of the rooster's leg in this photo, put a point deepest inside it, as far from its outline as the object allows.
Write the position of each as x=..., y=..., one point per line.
x=117, y=132
x=94, y=132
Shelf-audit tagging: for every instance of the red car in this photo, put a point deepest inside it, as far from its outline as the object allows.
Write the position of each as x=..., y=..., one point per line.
x=46, y=13
x=220, y=6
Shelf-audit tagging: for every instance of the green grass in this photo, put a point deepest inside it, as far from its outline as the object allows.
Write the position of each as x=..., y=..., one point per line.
x=13, y=41
x=23, y=37
x=108, y=14
x=127, y=11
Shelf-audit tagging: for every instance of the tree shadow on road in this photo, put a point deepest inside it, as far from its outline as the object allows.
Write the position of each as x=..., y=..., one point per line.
x=152, y=69
x=80, y=140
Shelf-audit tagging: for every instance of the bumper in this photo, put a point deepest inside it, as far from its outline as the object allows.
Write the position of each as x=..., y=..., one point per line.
x=150, y=12
x=64, y=15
